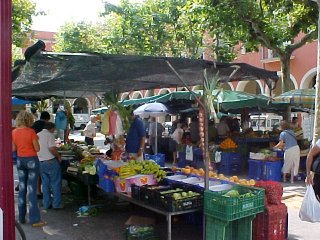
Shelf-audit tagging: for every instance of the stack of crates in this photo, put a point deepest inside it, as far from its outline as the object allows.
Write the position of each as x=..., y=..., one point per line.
x=264, y=170
x=272, y=224
x=230, y=163
x=229, y=218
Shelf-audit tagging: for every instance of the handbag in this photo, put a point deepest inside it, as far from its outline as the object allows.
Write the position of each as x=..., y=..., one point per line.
x=315, y=166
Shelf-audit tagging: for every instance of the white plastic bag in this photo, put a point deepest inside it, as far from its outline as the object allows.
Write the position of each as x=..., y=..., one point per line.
x=310, y=207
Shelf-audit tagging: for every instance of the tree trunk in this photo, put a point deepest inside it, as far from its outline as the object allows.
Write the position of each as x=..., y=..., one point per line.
x=285, y=70
x=285, y=80
x=317, y=99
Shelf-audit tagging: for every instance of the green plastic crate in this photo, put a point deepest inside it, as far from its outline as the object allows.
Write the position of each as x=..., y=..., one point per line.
x=137, y=235
x=232, y=208
x=217, y=229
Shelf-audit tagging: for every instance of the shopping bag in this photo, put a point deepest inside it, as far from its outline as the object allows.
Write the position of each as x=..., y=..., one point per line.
x=310, y=207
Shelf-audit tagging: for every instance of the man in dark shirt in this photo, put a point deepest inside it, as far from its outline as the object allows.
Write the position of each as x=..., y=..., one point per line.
x=135, y=139
x=39, y=125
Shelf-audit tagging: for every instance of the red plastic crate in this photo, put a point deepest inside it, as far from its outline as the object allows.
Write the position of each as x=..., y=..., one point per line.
x=273, y=191
x=271, y=224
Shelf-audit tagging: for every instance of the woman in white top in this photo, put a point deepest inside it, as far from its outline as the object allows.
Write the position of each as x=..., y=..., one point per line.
x=176, y=136
x=90, y=131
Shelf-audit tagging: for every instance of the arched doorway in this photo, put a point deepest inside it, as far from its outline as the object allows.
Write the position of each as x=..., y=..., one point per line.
x=252, y=87
x=80, y=106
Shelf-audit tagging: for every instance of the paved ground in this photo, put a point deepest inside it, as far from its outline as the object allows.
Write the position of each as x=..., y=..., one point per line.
x=109, y=222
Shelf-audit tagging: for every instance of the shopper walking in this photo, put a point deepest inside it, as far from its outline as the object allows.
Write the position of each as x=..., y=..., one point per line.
x=288, y=142
x=25, y=142
x=50, y=170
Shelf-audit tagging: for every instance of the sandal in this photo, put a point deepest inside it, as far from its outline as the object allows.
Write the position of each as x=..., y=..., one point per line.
x=39, y=224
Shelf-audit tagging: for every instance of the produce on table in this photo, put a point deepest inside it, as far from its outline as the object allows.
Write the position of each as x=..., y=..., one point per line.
x=228, y=144
x=182, y=195
x=142, y=167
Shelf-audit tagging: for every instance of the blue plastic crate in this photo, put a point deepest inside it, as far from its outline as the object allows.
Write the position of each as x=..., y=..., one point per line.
x=181, y=159
x=106, y=184
x=231, y=169
x=230, y=158
x=255, y=169
x=279, y=153
x=272, y=170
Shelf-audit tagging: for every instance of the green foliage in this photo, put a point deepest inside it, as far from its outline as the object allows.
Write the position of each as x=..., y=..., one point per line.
x=71, y=119
x=272, y=24
x=22, y=12
x=154, y=27
x=40, y=106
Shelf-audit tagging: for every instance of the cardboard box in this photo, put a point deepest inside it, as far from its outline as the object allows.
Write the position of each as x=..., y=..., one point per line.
x=140, y=221
x=124, y=185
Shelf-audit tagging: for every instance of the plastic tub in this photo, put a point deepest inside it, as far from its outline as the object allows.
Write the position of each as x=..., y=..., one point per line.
x=221, y=187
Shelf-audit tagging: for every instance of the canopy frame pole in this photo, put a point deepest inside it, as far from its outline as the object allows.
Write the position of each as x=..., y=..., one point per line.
x=6, y=173
x=184, y=83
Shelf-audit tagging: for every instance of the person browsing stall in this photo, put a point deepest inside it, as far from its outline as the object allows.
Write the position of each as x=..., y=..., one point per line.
x=288, y=142
x=25, y=142
x=135, y=139
x=50, y=170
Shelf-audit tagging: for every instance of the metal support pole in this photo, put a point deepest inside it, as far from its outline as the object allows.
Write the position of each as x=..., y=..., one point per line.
x=6, y=166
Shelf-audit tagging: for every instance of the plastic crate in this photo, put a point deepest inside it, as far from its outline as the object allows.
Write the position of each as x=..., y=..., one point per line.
x=159, y=196
x=182, y=162
x=106, y=184
x=135, y=191
x=133, y=233
x=150, y=194
x=229, y=208
x=272, y=170
x=273, y=191
x=255, y=169
x=173, y=205
x=229, y=158
x=271, y=224
x=229, y=169
x=217, y=229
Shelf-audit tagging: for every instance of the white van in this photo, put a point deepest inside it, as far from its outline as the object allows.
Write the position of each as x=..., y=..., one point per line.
x=265, y=122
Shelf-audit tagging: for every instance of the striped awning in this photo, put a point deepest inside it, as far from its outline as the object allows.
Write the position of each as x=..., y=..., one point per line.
x=299, y=97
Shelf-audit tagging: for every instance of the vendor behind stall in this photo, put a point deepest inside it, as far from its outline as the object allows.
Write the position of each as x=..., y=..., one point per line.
x=223, y=128
x=194, y=130
x=135, y=139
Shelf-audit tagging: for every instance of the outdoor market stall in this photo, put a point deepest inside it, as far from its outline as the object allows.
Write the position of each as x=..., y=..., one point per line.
x=54, y=74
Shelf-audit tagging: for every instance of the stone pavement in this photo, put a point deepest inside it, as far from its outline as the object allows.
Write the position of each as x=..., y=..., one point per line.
x=109, y=222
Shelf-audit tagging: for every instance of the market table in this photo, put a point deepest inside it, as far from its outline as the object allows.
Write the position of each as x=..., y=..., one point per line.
x=157, y=210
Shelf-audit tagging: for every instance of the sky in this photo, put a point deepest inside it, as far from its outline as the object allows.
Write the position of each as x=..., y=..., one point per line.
x=61, y=11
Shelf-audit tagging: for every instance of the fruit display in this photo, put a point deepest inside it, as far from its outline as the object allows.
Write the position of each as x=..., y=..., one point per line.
x=200, y=173
x=88, y=160
x=235, y=194
x=228, y=143
x=182, y=195
x=141, y=167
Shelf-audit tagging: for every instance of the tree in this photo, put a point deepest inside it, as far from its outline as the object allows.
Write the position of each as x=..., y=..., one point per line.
x=22, y=12
x=272, y=24
x=154, y=27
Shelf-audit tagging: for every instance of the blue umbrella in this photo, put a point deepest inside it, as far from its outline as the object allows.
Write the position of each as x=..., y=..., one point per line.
x=17, y=101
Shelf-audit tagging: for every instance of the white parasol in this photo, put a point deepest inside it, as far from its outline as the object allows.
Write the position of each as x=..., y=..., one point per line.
x=152, y=110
